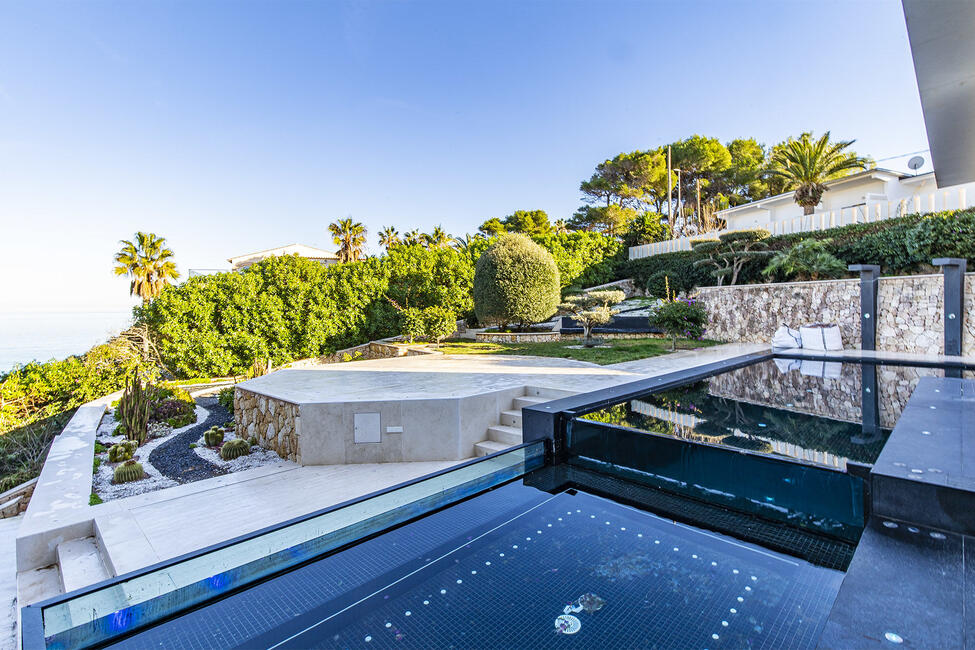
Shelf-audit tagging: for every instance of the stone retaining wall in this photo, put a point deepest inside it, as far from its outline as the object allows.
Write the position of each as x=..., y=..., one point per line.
x=275, y=423
x=14, y=501
x=518, y=337
x=910, y=311
x=381, y=349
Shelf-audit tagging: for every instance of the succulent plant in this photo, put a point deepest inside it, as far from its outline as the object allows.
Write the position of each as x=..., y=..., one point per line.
x=234, y=449
x=133, y=409
x=213, y=437
x=252, y=441
x=120, y=452
x=128, y=471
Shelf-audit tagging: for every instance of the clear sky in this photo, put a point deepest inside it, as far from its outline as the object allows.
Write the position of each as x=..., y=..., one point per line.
x=230, y=127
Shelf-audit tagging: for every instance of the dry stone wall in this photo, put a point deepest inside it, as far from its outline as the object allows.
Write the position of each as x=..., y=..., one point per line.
x=910, y=311
x=275, y=423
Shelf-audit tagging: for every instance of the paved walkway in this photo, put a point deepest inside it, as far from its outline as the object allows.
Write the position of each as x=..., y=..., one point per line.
x=8, y=582
x=145, y=529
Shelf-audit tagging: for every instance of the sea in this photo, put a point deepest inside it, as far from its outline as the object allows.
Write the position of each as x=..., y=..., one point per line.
x=42, y=336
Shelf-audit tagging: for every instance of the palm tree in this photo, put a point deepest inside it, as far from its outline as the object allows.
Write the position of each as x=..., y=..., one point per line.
x=464, y=243
x=559, y=227
x=350, y=237
x=414, y=238
x=389, y=238
x=438, y=238
x=149, y=262
x=806, y=166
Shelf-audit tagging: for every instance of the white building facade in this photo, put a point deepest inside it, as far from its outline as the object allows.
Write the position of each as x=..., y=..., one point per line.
x=872, y=195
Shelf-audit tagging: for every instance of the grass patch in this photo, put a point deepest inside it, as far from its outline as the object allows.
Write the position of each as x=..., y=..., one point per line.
x=96, y=463
x=94, y=499
x=621, y=349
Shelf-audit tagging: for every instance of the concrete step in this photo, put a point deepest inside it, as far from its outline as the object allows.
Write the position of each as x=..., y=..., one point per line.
x=547, y=393
x=81, y=563
x=519, y=403
x=487, y=447
x=37, y=584
x=504, y=434
x=511, y=418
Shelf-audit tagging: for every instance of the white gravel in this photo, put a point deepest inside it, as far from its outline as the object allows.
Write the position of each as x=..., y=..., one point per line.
x=102, y=481
x=257, y=458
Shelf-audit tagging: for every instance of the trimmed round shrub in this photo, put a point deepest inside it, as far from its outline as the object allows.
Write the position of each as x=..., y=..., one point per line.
x=515, y=281
x=438, y=323
x=658, y=283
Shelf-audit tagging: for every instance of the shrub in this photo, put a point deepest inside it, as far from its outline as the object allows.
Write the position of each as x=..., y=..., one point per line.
x=128, y=471
x=235, y=449
x=680, y=318
x=226, y=398
x=94, y=499
x=661, y=282
x=515, y=281
x=807, y=260
x=413, y=326
x=175, y=412
x=438, y=323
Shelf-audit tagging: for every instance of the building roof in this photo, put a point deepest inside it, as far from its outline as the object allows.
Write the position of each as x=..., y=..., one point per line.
x=866, y=175
x=289, y=249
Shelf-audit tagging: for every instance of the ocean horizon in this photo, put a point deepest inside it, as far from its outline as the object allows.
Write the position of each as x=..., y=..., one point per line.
x=27, y=336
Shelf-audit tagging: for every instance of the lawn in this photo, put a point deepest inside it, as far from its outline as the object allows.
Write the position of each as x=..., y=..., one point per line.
x=621, y=350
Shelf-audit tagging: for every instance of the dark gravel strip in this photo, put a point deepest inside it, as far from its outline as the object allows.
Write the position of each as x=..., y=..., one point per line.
x=174, y=458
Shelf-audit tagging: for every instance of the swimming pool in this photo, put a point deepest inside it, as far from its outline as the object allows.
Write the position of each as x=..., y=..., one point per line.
x=519, y=566
x=622, y=529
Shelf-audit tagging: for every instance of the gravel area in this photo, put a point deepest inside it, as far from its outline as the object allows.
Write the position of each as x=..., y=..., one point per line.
x=257, y=458
x=175, y=460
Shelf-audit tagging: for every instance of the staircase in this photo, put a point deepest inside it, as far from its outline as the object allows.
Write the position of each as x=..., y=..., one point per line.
x=507, y=433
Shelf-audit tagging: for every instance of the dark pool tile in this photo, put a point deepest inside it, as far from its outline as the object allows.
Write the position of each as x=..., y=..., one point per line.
x=902, y=581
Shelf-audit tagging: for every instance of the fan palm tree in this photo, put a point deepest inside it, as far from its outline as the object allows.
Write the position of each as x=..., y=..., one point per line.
x=438, y=238
x=350, y=237
x=148, y=261
x=805, y=166
x=389, y=238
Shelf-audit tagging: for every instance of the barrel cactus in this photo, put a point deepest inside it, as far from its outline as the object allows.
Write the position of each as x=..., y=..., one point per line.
x=213, y=437
x=120, y=452
x=128, y=471
x=235, y=449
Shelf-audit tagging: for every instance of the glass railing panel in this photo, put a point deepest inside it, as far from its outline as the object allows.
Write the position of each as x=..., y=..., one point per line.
x=144, y=599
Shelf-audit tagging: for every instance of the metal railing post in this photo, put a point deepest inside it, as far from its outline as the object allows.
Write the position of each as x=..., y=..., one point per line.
x=869, y=283
x=954, y=287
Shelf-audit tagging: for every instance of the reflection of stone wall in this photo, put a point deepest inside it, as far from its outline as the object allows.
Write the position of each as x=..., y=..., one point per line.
x=836, y=398
x=275, y=423
x=910, y=319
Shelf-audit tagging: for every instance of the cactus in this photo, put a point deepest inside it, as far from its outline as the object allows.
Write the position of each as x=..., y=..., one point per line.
x=213, y=437
x=129, y=471
x=133, y=409
x=234, y=449
x=119, y=453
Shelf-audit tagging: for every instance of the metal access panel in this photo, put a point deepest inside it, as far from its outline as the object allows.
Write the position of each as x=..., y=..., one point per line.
x=367, y=428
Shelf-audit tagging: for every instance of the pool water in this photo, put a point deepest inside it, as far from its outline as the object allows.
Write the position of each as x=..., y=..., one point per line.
x=825, y=413
x=521, y=567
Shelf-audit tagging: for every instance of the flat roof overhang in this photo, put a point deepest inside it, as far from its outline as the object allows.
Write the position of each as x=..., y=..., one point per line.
x=940, y=33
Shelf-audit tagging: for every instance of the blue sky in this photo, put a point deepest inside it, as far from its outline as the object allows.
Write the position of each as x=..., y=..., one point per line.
x=230, y=127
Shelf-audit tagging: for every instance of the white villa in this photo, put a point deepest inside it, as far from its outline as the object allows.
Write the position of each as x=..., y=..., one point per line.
x=241, y=262
x=871, y=195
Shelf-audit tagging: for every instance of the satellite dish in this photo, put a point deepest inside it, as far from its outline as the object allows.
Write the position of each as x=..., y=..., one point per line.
x=915, y=163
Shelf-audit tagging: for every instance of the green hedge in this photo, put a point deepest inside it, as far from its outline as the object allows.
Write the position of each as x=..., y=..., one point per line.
x=900, y=246
x=289, y=308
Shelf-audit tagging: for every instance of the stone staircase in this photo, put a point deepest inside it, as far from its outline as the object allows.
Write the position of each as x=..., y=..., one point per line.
x=507, y=433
